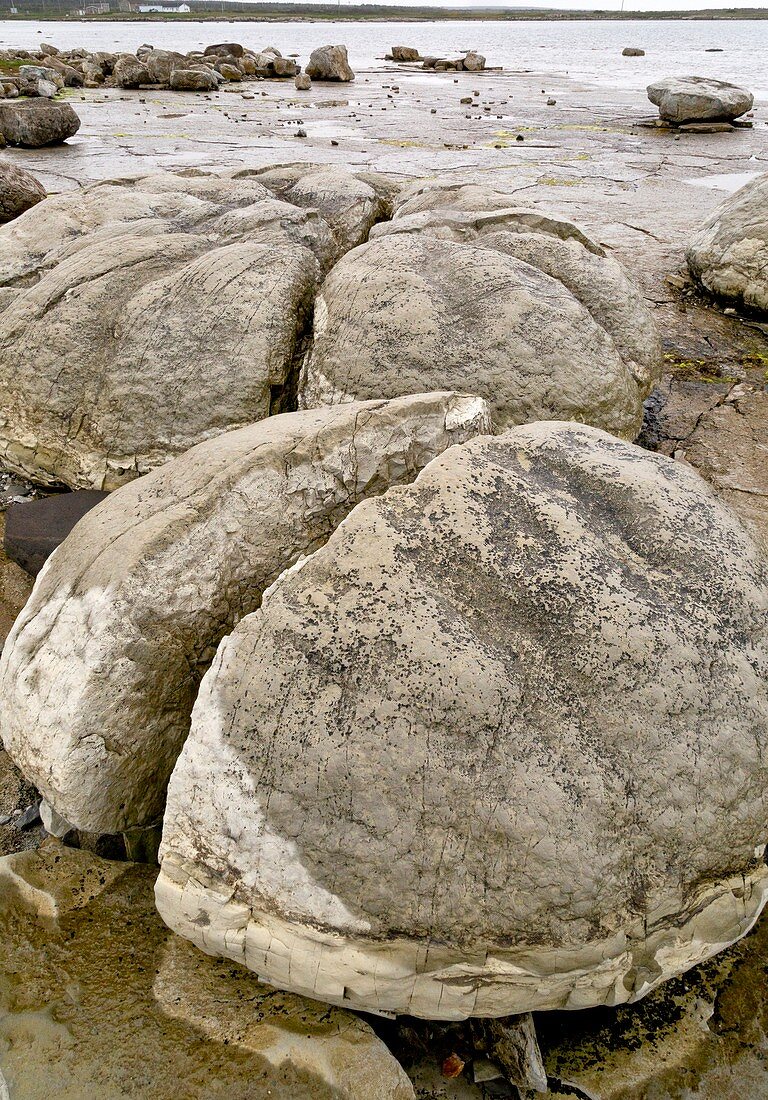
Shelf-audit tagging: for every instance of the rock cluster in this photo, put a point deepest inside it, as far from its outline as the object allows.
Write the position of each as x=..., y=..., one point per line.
x=697, y=99
x=729, y=254
x=472, y=62
x=497, y=746
x=152, y=578
x=227, y=268
x=196, y=71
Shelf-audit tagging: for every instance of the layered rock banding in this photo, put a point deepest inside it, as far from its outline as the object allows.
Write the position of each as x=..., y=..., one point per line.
x=460, y=290
x=193, y=294
x=497, y=746
x=682, y=99
x=101, y=670
x=729, y=254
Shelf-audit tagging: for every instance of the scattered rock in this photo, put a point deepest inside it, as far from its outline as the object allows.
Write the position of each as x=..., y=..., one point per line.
x=632, y=51
x=89, y=976
x=150, y=581
x=698, y=99
x=37, y=122
x=330, y=63
x=729, y=254
x=19, y=190
x=473, y=62
x=479, y=754
x=302, y=82
x=405, y=53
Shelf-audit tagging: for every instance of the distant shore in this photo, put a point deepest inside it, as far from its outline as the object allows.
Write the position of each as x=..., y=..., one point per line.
x=373, y=13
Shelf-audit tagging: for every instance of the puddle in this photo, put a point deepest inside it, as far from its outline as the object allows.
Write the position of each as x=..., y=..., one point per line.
x=727, y=181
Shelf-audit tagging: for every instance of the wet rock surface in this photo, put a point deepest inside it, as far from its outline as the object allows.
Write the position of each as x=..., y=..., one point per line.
x=89, y=977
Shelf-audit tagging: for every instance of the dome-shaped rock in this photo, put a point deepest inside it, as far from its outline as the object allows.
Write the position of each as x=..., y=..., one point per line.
x=144, y=316
x=523, y=309
x=729, y=254
x=98, y=677
x=499, y=745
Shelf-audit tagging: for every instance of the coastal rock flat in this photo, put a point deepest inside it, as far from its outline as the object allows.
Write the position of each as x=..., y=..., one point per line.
x=497, y=746
x=728, y=256
x=99, y=675
x=523, y=309
x=143, y=316
x=99, y=1001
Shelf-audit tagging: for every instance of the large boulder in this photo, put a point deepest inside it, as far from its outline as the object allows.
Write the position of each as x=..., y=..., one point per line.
x=99, y=1001
x=100, y=673
x=405, y=53
x=161, y=63
x=329, y=63
x=200, y=79
x=698, y=98
x=518, y=307
x=129, y=72
x=192, y=294
x=37, y=80
x=497, y=746
x=351, y=204
x=37, y=122
x=728, y=256
x=19, y=190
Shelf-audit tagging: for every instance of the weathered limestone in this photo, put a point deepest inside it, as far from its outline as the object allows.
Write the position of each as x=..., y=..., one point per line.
x=729, y=254
x=99, y=1000
x=405, y=53
x=497, y=746
x=330, y=63
x=192, y=294
x=698, y=98
x=193, y=80
x=99, y=675
x=19, y=190
x=518, y=307
x=37, y=122
x=351, y=204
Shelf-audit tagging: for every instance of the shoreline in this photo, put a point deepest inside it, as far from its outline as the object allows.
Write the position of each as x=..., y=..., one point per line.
x=331, y=14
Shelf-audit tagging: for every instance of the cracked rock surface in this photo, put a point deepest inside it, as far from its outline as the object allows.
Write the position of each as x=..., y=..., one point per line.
x=142, y=316
x=463, y=290
x=497, y=746
x=100, y=672
x=99, y=1001
x=728, y=255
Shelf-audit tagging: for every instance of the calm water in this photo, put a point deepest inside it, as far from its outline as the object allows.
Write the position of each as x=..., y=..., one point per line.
x=588, y=52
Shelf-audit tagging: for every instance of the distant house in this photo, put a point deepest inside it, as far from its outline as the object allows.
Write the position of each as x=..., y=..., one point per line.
x=167, y=8
x=96, y=9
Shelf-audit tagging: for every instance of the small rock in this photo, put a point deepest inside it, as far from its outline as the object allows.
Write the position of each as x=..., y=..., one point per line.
x=632, y=51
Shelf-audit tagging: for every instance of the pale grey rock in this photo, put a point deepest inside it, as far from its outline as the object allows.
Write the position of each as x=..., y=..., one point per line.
x=100, y=1001
x=19, y=190
x=39, y=80
x=229, y=72
x=698, y=98
x=161, y=63
x=37, y=122
x=302, y=83
x=728, y=256
x=330, y=63
x=473, y=62
x=193, y=294
x=100, y=673
x=497, y=746
x=521, y=308
x=129, y=72
x=351, y=203
x=197, y=79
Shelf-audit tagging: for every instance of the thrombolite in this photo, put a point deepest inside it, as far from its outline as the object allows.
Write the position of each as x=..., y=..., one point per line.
x=497, y=746
x=98, y=676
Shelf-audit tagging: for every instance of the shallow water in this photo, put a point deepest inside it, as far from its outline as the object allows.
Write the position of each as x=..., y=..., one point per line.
x=589, y=52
